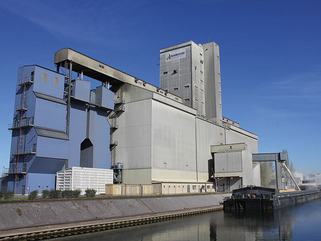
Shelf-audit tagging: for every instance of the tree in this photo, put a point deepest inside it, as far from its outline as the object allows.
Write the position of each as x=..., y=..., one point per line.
x=266, y=174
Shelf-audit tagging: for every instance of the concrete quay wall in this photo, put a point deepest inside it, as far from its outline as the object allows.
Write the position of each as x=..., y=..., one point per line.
x=18, y=215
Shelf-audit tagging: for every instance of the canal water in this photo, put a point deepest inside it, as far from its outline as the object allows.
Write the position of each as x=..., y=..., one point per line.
x=301, y=222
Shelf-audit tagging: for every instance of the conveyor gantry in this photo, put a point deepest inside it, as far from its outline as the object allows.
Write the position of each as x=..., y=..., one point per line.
x=102, y=72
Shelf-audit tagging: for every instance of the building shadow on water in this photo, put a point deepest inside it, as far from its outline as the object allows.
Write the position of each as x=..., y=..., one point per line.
x=276, y=225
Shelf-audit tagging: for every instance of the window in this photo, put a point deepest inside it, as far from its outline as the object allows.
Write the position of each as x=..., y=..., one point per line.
x=201, y=72
x=165, y=72
x=201, y=54
x=176, y=88
x=186, y=99
x=56, y=81
x=201, y=61
x=32, y=76
x=194, y=187
x=174, y=71
x=44, y=77
x=186, y=86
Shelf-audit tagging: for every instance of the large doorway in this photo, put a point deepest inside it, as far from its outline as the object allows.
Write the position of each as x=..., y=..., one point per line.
x=86, y=153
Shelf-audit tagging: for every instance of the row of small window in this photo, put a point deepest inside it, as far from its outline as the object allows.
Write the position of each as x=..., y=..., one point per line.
x=174, y=72
x=201, y=71
x=195, y=100
x=186, y=87
x=196, y=87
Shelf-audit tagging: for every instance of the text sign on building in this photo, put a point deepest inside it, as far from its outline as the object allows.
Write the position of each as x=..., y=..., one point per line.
x=177, y=54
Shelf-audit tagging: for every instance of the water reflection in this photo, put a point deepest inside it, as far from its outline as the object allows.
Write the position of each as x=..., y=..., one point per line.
x=277, y=225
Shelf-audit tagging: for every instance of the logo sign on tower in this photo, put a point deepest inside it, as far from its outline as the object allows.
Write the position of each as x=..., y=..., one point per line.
x=177, y=54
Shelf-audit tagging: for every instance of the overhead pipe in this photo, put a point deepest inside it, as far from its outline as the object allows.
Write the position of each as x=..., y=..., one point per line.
x=68, y=100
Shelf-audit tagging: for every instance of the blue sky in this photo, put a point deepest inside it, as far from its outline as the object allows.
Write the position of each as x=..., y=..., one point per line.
x=270, y=56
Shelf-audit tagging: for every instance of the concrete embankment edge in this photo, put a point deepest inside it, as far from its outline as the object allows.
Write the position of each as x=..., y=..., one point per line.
x=58, y=218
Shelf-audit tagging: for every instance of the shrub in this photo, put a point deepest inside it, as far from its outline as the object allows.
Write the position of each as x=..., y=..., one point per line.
x=76, y=193
x=1, y=195
x=54, y=194
x=45, y=194
x=67, y=194
x=33, y=195
x=7, y=195
x=90, y=192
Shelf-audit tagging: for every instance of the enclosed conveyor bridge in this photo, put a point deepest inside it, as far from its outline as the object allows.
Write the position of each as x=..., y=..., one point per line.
x=92, y=68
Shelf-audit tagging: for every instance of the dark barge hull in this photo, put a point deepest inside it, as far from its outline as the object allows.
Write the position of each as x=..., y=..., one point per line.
x=264, y=199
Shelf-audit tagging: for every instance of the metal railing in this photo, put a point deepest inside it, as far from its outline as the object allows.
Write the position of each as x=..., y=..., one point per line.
x=25, y=122
x=21, y=106
x=119, y=108
x=26, y=80
x=113, y=124
x=13, y=169
x=24, y=151
x=113, y=145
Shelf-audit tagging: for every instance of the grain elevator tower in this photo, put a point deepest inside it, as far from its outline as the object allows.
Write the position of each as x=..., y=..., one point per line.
x=192, y=72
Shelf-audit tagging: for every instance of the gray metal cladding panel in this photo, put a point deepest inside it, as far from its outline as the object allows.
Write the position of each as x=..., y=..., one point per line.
x=49, y=98
x=53, y=119
x=212, y=81
x=207, y=135
x=173, y=138
x=133, y=136
x=51, y=133
x=176, y=74
x=47, y=165
x=234, y=161
x=48, y=82
x=220, y=162
x=228, y=162
x=236, y=137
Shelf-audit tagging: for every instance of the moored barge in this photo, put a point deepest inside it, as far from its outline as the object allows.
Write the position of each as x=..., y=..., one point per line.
x=264, y=199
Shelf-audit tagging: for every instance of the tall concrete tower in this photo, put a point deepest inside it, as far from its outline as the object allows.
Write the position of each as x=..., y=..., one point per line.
x=192, y=72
